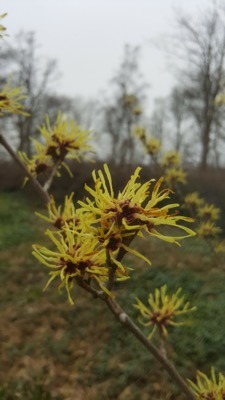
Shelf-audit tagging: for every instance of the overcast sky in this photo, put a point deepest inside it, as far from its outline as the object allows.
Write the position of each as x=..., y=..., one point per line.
x=87, y=38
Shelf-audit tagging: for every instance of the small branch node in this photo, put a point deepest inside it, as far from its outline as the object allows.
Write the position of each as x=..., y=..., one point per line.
x=123, y=318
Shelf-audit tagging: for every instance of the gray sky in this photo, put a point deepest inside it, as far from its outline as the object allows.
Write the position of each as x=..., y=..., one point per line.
x=87, y=38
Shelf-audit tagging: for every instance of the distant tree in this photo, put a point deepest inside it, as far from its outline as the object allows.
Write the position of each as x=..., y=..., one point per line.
x=178, y=113
x=25, y=67
x=125, y=108
x=201, y=45
x=159, y=118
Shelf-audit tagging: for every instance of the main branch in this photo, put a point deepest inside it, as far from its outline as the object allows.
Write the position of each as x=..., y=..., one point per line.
x=127, y=322
x=37, y=186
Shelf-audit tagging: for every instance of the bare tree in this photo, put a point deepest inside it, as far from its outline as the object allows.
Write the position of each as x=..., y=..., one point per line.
x=178, y=112
x=159, y=118
x=201, y=45
x=23, y=63
x=125, y=109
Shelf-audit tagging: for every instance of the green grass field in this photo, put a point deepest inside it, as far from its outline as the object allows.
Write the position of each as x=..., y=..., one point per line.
x=52, y=350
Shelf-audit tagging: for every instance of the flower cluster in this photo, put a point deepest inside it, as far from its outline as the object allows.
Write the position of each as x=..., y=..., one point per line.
x=10, y=100
x=170, y=162
x=212, y=388
x=174, y=176
x=10, y=97
x=206, y=216
x=131, y=104
x=193, y=202
x=170, y=159
x=173, y=173
x=64, y=140
x=151, y=144
x=2, y=28
x=209, y=212
x=74, y=259
x=163, y=309
x=139, y=131
x=100, y=230
x=208, y=230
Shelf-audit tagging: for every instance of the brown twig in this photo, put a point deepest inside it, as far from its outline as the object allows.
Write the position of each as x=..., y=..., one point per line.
x=95, y=293
x=112, y=270
x=48, y=183
x=37, y=186
x=127, y=322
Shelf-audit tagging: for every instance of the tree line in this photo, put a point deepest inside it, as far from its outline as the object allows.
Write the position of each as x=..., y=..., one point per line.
x=190, y=119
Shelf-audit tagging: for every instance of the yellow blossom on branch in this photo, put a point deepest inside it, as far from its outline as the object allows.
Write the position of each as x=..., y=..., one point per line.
x=2, y=28
x=220, y=99
x=129, y=100
x=171, y=159
x=10, y=100
x=65, y=139
x=40, y=163
x=209, y=212
x=136, y=111
x=153, y=146
x=205, y=388
x=207, y=230
x=98, y=234
x=140, y=132
x=76, y=258
x=163, y=310
x=67, y=216
x=219, y=247
x=60, y=216
x=193, y=201
x=174, y=176
x=126, y=213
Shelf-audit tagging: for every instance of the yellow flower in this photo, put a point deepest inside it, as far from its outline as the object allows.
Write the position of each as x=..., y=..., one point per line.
x=140, y=132
x=125, y=213
x=220, y=247
x=220, y=99
x=153, y=146
x=137, y=111
x=114, y=241
x=76, y=258
x=10, y=100
x=61, y=217
x=207, y=230
x=175, y=175
x=171, y=159
x=40, y=163
x=209, y=212
x=162, y=310
x=212, y=388
x=67, y=216
x=2, y=28
x=129, y=100
x=193, y=201
x=65, y=139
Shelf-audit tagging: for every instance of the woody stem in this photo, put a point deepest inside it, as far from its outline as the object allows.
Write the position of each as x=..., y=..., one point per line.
x=127, y=322
x=37, y=186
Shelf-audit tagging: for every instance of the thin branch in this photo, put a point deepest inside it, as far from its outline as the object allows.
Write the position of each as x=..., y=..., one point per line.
x=51, y=177
x=112, y=270
x=127, y=322
x=95, y=293
x=37, y=186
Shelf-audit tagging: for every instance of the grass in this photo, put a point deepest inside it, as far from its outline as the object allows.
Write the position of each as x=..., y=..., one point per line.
x=52, y=351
